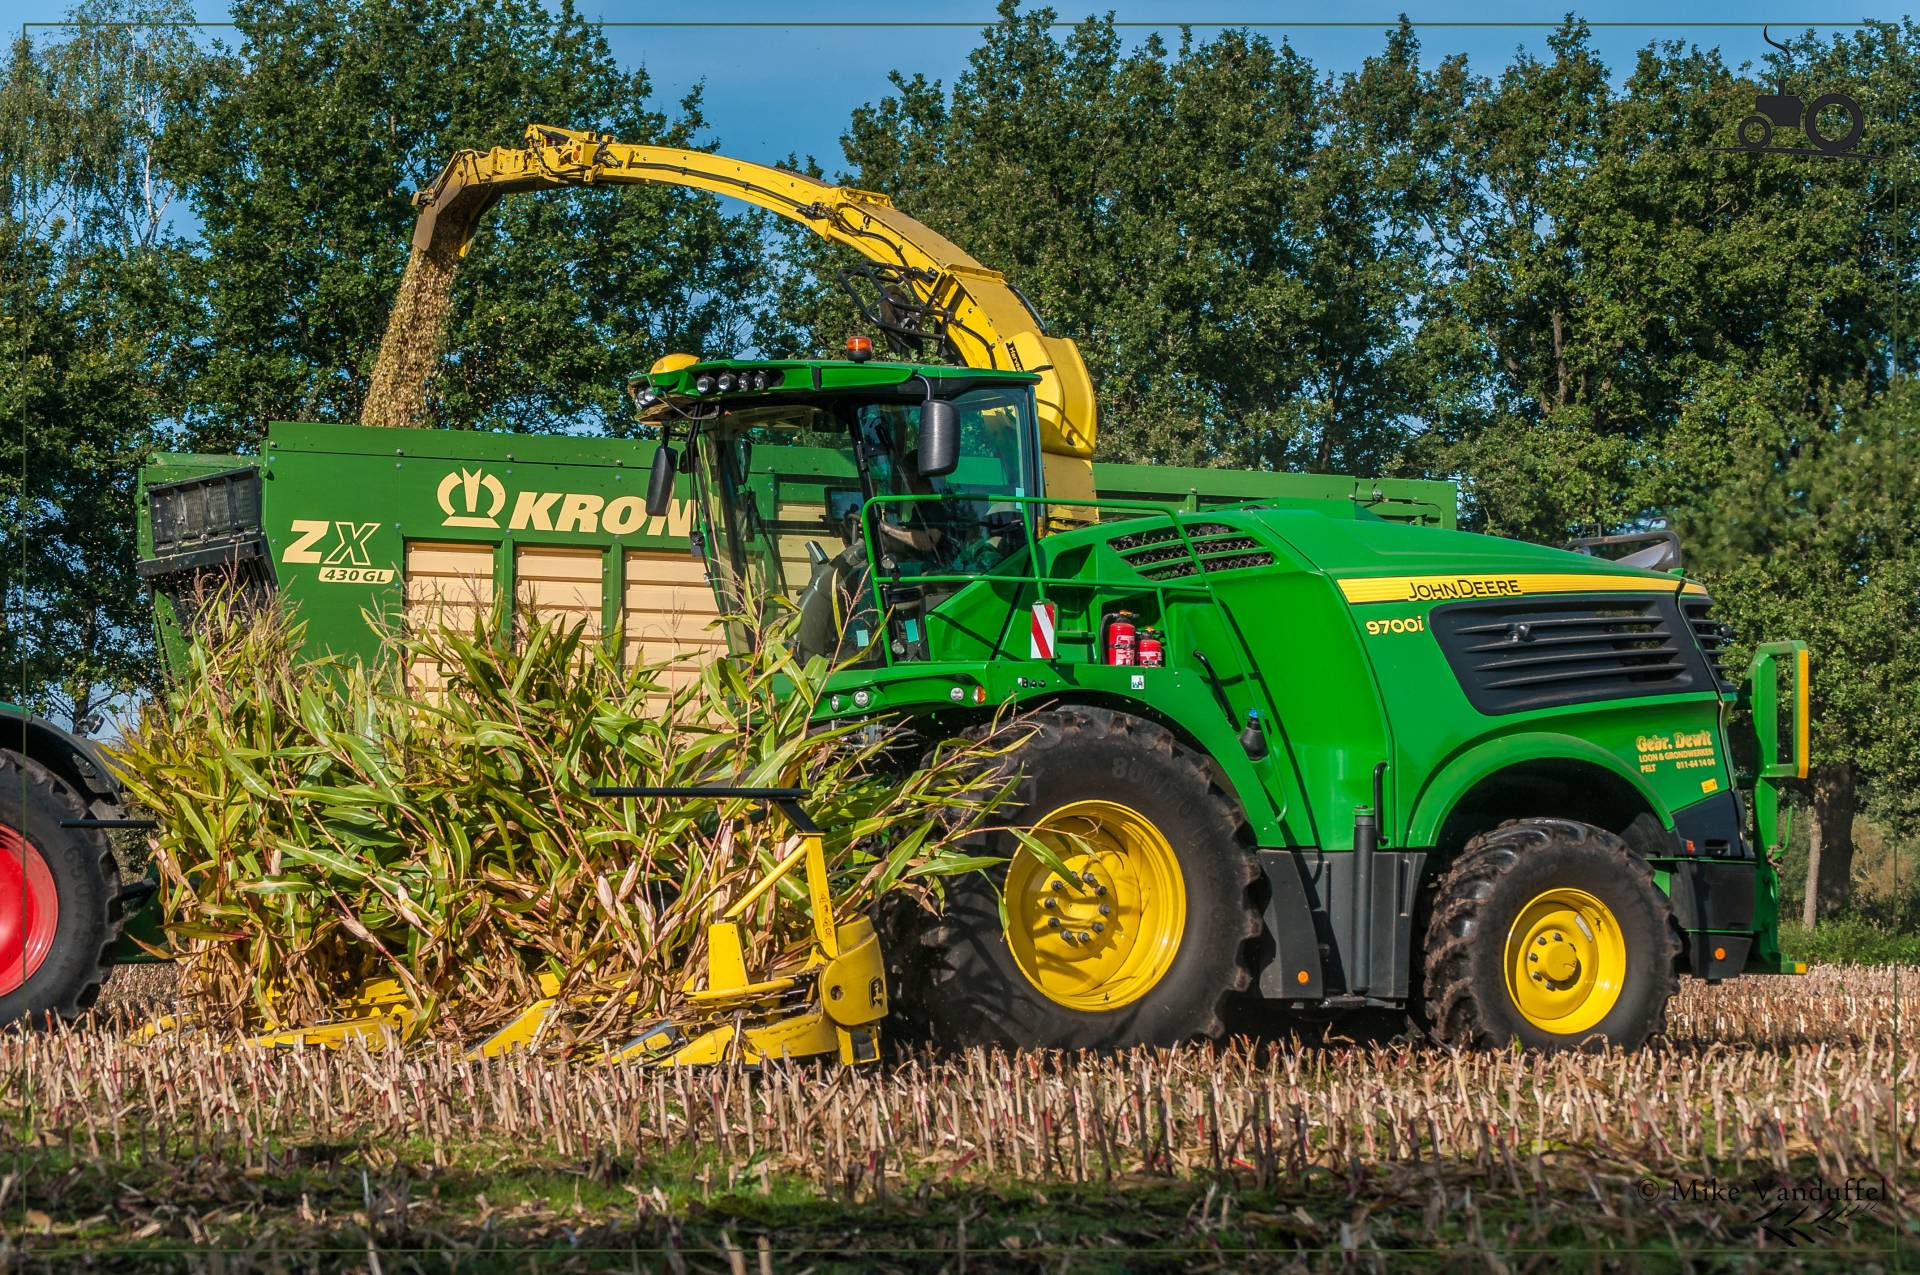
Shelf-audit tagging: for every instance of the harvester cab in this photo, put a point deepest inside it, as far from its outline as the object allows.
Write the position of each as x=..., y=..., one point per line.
x=939, y=480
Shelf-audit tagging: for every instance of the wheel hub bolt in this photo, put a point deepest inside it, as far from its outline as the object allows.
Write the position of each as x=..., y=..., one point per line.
x=1087, y=877
x=1054, y=921
x=1085, y=937
x=1058, y=884
x=1105, y=910
x=1099, y=890
x=1098, y=928
x=1048, y=903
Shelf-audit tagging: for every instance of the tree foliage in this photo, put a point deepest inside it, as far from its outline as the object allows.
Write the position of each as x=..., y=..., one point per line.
x=317, y=129
x=1211, y=223
x=92, y=321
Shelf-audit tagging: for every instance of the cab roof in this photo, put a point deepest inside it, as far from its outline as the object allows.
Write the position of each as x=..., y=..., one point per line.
x=817, y=375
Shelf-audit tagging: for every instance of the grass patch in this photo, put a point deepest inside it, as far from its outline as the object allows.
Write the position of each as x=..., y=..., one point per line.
x=1850, y=941
x=497, y=1211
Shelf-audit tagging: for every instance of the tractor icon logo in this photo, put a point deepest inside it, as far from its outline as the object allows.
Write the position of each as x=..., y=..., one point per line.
x=469, y=483
x=1786, y=111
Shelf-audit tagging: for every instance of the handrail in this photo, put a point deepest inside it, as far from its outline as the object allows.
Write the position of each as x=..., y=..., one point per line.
x=1200, y=582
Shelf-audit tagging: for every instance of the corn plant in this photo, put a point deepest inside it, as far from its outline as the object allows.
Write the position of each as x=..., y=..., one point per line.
x=323, y=824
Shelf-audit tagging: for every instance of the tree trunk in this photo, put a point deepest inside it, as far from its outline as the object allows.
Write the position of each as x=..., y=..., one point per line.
x=1830, y=843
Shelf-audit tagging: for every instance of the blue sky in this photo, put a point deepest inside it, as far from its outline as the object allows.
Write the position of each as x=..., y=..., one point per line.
x=760, y=109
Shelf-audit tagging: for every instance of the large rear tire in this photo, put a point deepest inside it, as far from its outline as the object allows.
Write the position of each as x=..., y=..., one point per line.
x=1141, y=944
x=59, y=898
x=1551, y=933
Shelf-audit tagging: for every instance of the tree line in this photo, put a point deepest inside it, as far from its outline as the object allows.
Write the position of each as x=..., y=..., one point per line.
x=1558, y=282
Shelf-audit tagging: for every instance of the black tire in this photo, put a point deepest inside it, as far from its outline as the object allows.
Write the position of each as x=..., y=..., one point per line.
x=86, y=881
x=956, y=980
x=1465, y=1001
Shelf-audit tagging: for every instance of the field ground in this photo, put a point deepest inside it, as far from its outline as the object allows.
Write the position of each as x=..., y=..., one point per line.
x=1774, y=1129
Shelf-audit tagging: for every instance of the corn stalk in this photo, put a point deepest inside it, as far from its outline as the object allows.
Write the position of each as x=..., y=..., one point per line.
x=322, y=823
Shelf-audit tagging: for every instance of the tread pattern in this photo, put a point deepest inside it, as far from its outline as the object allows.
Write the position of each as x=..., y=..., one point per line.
x=27, y=776
x=1449, y=999
x=925, y=947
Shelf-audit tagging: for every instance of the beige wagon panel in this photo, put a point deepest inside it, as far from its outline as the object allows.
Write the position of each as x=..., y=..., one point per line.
x=560, y=583
x=446, y=584
x=666, y=608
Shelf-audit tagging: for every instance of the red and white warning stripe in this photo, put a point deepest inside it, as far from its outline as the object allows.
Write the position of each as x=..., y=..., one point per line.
x=1042, y=645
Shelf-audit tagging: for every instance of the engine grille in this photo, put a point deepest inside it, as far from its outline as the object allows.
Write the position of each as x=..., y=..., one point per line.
x=1158, y=554
x=1539, y=653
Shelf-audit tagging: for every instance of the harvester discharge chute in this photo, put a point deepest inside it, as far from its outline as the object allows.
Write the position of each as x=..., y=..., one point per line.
x=924, y=289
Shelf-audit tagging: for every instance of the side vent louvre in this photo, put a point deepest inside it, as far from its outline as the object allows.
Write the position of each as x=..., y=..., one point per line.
x=1541, y=653
x=1158, y=554
x=1713, y=636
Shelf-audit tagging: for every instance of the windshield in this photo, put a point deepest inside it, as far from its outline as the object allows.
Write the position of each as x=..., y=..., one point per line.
x=782, y=489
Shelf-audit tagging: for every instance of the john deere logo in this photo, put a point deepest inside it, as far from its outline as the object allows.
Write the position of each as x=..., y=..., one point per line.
x=469, y=484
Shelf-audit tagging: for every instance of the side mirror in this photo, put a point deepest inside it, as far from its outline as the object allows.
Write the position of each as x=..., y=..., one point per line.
x=939, y=438
x=660, y=482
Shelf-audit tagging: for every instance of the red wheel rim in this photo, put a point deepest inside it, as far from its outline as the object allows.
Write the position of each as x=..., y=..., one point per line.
x=29, y=910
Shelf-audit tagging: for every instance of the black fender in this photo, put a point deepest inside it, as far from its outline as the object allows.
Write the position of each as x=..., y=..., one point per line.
x=76, y=760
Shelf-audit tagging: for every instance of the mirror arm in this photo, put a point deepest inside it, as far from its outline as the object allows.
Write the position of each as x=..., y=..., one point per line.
x=661, y=475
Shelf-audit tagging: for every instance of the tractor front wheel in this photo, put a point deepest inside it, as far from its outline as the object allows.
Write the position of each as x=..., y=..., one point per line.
x=1139, y=941
x=1551, y=933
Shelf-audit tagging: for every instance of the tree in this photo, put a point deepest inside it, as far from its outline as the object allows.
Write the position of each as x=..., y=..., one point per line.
x=1793, y=463
x=1671, y=331
x=1834, y=558
x=92, y=323
x=315, y=133
x=1218, y=226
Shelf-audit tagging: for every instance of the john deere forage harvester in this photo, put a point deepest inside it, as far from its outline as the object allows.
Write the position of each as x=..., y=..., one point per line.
x=1296, y=752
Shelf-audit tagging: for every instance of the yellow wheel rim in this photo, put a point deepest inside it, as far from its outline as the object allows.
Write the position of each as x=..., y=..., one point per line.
x=1106, y=935
x=1566, y=961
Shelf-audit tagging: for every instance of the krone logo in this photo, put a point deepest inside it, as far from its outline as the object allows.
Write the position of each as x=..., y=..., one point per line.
x=469, y=483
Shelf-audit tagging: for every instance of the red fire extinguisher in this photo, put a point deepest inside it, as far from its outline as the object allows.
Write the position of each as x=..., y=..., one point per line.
x=1122, y=640
x=1153, y=648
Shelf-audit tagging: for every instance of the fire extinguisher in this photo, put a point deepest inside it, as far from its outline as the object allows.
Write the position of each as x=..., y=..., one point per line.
x=1122, y=638
x=1153, y=648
